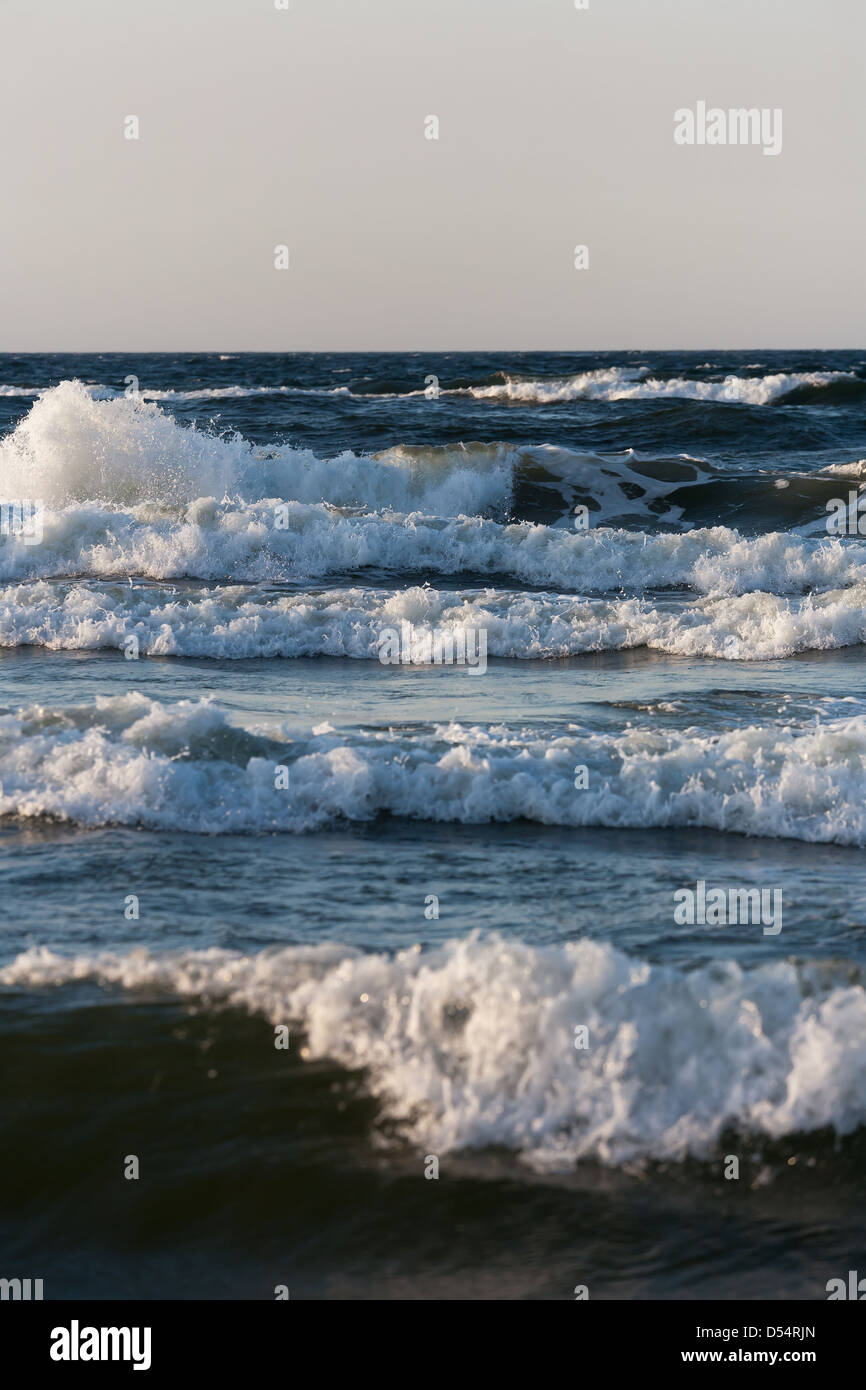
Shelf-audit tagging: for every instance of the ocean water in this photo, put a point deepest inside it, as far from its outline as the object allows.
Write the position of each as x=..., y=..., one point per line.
x=435, y=900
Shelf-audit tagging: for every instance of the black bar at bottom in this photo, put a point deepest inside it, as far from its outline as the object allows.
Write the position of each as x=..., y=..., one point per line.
x=81, y=1338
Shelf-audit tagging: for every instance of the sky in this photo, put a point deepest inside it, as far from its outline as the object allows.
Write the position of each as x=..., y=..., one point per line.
x=306, y=127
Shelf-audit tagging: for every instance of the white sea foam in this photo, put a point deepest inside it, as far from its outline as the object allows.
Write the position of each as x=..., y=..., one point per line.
x=855, y=470
x=472, y=1044
x=219, y=393
x=132, y=761
x=240, y=622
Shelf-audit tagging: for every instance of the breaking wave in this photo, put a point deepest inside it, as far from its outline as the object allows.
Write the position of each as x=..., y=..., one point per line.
x=472, y=1044
x=125, y=452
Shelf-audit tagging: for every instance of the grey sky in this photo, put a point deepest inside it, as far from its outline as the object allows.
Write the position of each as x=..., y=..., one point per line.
x=306, y=127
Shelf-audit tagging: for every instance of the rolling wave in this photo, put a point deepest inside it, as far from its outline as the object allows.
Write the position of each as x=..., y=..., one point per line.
x=270, y=542
x=129, y=760
x=244, y=622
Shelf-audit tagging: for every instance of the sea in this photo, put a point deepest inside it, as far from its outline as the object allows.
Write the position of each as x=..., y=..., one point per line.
x=326, y=976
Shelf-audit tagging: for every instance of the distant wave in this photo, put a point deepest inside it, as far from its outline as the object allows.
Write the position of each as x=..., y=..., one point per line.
x=101, y=392
x=600, y=384
x=240, y=622
x=472, y=1044
x=634, y=384
x=130, y=760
